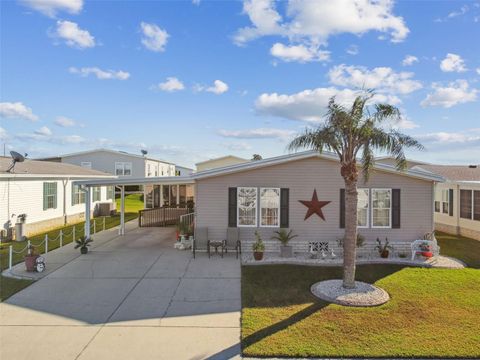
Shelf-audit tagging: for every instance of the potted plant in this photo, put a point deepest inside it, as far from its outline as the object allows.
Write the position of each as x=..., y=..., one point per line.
x=30, y=258
x=284, y=237
x=258, y=247
x=426, y=250
x=83, y=244
x=383, y=249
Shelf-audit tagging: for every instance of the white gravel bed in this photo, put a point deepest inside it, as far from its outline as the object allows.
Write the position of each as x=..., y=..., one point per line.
x=363, y=295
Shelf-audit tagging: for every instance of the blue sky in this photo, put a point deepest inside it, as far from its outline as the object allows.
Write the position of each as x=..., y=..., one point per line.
x=194, y=80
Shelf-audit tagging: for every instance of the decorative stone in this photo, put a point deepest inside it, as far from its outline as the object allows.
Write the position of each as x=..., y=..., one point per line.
x=362, y=295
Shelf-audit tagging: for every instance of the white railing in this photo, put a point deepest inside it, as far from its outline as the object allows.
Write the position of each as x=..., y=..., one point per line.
x=61, y=235
x=188, y=219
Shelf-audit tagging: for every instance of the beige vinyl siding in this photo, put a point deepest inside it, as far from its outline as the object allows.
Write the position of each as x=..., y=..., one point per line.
x=302, y=177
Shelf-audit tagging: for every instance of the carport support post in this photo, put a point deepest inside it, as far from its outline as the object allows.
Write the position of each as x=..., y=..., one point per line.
x=121, y=231
x=87, y=212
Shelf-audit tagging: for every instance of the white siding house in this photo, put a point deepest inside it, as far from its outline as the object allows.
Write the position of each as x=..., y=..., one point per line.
x=45, y=193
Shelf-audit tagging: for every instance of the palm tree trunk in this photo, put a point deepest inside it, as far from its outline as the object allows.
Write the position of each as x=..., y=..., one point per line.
x=350, y=240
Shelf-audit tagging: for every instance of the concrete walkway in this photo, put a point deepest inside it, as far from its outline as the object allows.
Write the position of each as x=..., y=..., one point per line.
x=130, y=297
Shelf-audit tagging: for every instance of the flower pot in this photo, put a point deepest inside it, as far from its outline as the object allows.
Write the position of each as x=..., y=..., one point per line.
x=384, y=254
x=30, y=262
x=286, y=251
x=258, y=255
x=84, y=250
x=427, y=254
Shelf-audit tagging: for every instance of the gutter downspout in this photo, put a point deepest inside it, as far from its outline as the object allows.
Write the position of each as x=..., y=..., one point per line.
x=65, y=182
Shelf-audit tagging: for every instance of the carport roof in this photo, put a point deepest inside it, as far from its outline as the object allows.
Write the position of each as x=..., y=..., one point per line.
x=165, y=180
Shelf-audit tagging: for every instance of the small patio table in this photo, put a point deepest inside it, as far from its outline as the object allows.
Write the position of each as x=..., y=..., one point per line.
x=216, y=245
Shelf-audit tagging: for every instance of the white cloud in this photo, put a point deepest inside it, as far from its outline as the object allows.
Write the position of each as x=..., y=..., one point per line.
x=311, y=23
x=99, y=73
x=453, y=63
x=63, y=121
x=170, y=85
x=154, y=38
x=16, y=110
x=260, y=133
x=478, y=71
x=52, y=7
x=3, y=134
x=383, y=79
x=299, y=53
x=219, y=87
x=73, y=35
x=237, y=146
x=457, y=92
x=464, y=137
x=463, y=10
x=309, y=105
x=196, y=2
x=352, y=50
x=409, y=60
x=43, y=131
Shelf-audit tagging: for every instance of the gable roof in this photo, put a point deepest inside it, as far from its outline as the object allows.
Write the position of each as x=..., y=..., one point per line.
x=454, y=172
x=31, y=168
x=415, y=173
x=221, y=158
x=53, y=158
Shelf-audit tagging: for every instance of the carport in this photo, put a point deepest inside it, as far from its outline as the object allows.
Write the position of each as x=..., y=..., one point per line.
x=121, y=183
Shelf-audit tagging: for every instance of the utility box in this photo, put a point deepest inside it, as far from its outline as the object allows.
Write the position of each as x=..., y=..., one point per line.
x=19, y=231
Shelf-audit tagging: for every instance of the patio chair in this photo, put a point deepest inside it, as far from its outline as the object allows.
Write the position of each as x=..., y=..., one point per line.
x=200, y=240
x=232, y=242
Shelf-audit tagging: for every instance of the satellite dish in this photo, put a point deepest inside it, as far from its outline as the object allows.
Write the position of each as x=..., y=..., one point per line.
x=16, y=157
x=144, y=152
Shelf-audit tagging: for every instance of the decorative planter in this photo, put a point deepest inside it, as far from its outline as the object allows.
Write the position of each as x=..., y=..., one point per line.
x=286, y=251
x=258, y=255
x=30, y=262
x=84, y=250
x=427, y=254
x=384, y=254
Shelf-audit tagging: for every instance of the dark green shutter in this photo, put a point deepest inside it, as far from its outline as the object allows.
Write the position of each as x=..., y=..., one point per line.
x=232, y=207
x=284, y=207
x=45, y=200
x=450, y=202
x=342, y=208
x=395, y=208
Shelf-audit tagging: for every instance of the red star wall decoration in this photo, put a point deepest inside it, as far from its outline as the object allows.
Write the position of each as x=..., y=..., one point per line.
x=314, y=206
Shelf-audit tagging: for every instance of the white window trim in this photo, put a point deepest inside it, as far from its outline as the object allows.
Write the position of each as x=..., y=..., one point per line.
x=447, y=191
x=259, y=206
x=371, y=208
x=122, y=165
x=256, y=206
x=472, y=214
x=368, y=210
x=86, y=164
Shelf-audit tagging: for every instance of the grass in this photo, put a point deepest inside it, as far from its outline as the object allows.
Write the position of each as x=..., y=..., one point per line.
x=432, y=312
x=9, y=286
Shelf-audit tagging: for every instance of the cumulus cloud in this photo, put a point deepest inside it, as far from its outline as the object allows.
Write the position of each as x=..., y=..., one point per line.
x=170, y=85
x=52, y=7
x=409, y=60
x=383, y=79
x=43, y=131
x=73, y=36
x=457, y=92
x=219, y=87
x=453, y=63
x=260, y=133
x=309, y=105
x=300, y=53
x=311, y=23
x=63, y=121
x=16, y=110
x=99, y=73
x=154, y=38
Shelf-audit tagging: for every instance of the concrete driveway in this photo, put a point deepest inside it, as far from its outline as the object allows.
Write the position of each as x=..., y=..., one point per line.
x=130, y=297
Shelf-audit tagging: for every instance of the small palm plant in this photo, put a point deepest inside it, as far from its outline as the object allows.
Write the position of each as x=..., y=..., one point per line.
x=83, y=244
x=284, y=237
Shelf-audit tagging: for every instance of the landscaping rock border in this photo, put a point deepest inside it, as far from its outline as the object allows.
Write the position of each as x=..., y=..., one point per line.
x=363, y=295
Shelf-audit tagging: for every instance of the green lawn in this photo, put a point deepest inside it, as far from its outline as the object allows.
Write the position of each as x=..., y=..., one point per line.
x=432, y=312
x=133, y=203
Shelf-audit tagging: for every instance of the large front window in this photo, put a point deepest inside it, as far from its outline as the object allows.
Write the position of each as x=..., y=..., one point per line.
x=445, y=201
x=270, y=207
x=362, y=208
x=97, y=193
x=381, y=208
x=247, y=206
x=49, y=195
x=78, y=196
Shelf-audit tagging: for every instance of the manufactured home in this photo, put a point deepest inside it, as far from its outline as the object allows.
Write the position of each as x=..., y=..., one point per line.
x=45, y=193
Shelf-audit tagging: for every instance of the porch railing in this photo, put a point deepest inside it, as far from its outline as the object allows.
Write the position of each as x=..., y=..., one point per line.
x=188, y=219
x=164, y=216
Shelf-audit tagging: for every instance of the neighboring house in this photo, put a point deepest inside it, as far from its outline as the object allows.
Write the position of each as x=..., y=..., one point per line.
x=119, y=163
x=389, y=160
x=220, y=162
x=265, y=195
x=182, y=171
x=457, y=201
x=44, y=192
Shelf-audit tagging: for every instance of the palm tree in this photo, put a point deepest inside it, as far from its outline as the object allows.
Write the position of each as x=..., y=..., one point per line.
x=352, y=132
